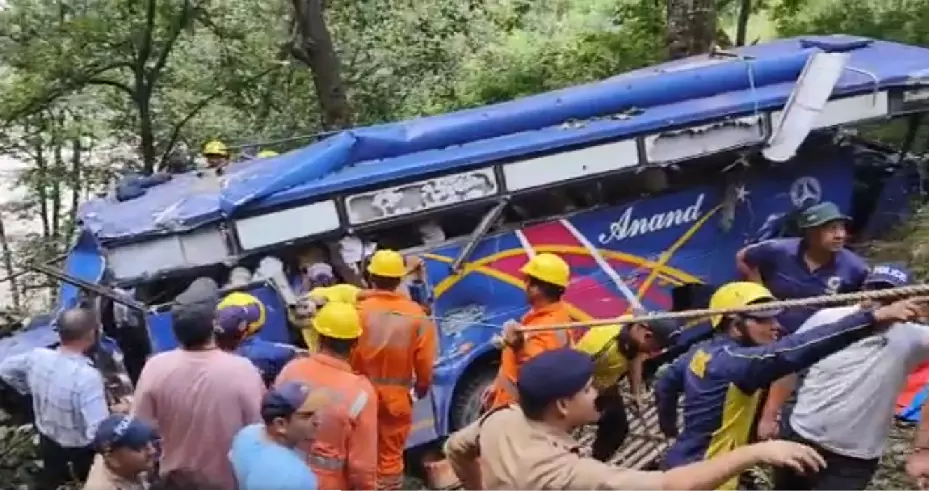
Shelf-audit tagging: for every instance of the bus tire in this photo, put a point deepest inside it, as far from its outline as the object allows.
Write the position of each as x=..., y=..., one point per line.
x=466, y=405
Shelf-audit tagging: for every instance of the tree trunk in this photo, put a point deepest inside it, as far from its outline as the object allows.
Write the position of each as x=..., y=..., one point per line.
x=41, y=190
x=7, y=258
x=76, y=189
x=146, y=135
x=745, y=10
x=312, y=45
x=691, y=27
x=58, y=173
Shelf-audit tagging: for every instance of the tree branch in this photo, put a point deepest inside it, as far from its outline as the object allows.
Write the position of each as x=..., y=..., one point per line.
x=52, y=94
x=145, y=50
x=183, y=20
x=112, y=83
x=199, y=106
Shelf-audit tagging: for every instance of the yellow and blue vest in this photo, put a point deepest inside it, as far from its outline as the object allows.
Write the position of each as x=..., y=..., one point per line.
x=722, y=379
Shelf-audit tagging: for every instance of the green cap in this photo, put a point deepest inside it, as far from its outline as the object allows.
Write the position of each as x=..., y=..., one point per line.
x=821, y=214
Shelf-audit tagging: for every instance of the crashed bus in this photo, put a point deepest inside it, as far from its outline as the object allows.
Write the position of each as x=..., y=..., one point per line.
x=647, y=184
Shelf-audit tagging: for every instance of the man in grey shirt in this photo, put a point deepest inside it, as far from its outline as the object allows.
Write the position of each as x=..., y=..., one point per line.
x=845, y=403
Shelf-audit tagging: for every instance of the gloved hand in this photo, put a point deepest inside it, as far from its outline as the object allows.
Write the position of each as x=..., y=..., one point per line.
x=511, y=333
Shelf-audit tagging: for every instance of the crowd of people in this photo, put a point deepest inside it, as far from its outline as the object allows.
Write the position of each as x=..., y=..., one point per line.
x=829, y=370
x=229, y=410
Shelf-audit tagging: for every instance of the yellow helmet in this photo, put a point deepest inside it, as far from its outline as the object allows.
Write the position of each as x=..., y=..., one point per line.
x=387, y=263
x=338, y=320
x=738, y=294
x=548, y=268
x=267, y=153
x=255, y=309
x=215, y=148
x=342, y=292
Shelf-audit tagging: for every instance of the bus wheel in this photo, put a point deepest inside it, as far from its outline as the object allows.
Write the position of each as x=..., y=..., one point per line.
x=466, y=405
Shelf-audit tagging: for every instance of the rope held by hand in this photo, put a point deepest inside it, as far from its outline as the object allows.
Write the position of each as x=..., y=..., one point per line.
x=823, y=300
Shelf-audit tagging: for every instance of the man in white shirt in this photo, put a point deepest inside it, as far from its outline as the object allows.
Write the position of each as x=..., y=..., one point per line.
x=845, y=403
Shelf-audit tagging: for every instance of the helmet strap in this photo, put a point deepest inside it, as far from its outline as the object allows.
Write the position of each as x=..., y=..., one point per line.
x=742, y=328
x=627, y=345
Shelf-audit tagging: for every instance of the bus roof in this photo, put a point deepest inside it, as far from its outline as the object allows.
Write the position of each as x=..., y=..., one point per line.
x=692, y=90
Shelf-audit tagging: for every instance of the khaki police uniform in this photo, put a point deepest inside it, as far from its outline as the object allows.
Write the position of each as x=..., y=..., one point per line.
x=518, y=453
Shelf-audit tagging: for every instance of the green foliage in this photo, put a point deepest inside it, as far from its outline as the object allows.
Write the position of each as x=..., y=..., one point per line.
x=550, y=48
x=892, y=20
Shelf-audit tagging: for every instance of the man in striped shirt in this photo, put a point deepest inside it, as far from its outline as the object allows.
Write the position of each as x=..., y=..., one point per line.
x=67, y=397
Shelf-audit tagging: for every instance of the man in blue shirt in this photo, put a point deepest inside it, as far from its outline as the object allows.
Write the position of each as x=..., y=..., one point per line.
x=239, y=317
x=264, y=455
x=816, y=264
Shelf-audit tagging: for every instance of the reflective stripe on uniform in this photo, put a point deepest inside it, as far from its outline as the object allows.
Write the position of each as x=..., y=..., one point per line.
x=390, y=482
x=392, y=381
x=358, y=405
x=328, y=463
x=562, y=336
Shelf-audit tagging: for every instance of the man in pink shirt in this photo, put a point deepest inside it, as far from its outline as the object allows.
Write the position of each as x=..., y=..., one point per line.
x=198, y=396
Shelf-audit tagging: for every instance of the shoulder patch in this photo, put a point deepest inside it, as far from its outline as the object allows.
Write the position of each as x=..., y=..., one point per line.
x=699, y=361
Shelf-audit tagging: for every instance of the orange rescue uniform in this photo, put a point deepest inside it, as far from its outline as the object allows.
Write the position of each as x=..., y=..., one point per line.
x=344, y=452
x=397, y=341
x=534, y=344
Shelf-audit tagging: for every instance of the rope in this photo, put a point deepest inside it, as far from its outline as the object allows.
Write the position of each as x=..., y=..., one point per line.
x=903, y=291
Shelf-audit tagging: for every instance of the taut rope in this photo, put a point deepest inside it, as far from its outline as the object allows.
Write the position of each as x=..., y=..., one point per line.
x=823, y=300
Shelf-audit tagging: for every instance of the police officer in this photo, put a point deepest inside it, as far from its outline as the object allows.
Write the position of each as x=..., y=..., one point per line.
x=722, y=379
x=529, y=445
x=239, y=317
x=613, y=349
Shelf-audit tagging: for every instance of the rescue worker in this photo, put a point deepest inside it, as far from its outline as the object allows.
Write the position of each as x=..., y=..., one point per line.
x=398, y=341
x=265, y=154
x=816, y=264
x=722, y=378
x=239, y=317
x=529, y=445
x=302, y=314
x=547, y=277
x=216, y=153
x=344, y=452
x=613, y=349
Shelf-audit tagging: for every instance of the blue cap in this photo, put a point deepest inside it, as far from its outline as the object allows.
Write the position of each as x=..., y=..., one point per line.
x=121, y=431
x=554, y=374
x=292, y=397
x=893, y=274
x=230, y=318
